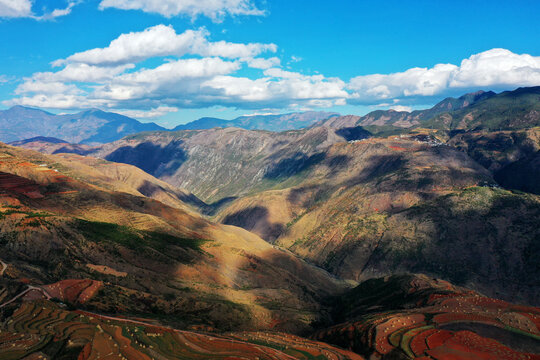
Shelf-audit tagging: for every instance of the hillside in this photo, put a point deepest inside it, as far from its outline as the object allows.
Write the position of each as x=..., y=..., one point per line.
x=416, y=317
x=381, y=206
x=399, y=317
x=509, y=110
x=119, y=253
x=48, y=145
x=361, y=205
x=153, y=258
x=88, y=127
x=217, y=164
x=511, y=156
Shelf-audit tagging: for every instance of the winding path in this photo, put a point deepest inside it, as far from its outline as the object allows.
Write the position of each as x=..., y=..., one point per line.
x=4, y=267
x=25, y=291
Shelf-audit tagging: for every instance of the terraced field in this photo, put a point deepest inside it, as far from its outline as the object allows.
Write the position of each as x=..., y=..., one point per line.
x=74, y=291
x=445, y=324
x=42, y=328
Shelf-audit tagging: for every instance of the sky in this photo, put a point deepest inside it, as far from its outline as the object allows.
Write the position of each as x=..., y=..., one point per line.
x=174, y=61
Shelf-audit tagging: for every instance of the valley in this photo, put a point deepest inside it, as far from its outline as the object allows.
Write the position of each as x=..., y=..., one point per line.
x=388, y=236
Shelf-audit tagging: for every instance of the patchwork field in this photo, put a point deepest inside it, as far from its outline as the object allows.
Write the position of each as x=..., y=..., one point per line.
x=43, y=330
x=435, y=320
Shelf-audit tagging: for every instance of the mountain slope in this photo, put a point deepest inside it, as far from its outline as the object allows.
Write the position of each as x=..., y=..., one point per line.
x=381, y=206
x=219, y=163
x=189, y=270
x=511, y=156
x=92, y=126
x=509, y=110
x=48, y=145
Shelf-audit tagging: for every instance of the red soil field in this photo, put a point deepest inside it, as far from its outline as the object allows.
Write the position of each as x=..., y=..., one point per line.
x=19, y=185
x=74, y=291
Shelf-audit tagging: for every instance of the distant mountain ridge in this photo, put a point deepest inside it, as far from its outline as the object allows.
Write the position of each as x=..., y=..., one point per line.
x=45, y=139
x=282, y=122
x=407, y=119
x=517, y=109
x=87, y=127
x=95, y=126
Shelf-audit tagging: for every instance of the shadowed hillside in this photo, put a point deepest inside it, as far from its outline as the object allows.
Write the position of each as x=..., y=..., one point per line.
x=219, y=163
x=377, y=207
x=153, y=258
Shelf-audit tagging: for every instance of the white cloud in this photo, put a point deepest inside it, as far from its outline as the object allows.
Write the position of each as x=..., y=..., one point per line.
x=198, y=73
x=415, y=81
x=3, y=79
x=232, y=50
x=401, y=108
x=496, y=67
x=279, y=88
x=15, y=8
x=58, y=12
x=23, y=9
x=261, y=63
x=55, y=87
x=52, y=101
x=82, y=73
x=148, y=114
x=173, y=79
x=161, y=40
x=295, y=59
x=214, y=9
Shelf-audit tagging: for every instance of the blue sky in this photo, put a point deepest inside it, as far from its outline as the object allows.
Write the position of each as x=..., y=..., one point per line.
x=185, y=59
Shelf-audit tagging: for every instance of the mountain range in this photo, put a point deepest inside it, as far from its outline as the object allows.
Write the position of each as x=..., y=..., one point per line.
x=390, y=236
x=91, y=126
x=98, y=127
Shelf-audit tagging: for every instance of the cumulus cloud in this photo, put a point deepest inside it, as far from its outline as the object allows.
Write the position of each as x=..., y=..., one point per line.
x=23, y=9
x=194, y=72
x=214, y=9
x=496, y=67
x=15, y=8
x=163, y=40
x=44, y=87
x=279, y=88
x=82, y=73
x=176, y=79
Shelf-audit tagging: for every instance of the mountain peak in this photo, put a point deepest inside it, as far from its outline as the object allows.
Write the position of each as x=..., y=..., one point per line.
x=24, y=109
